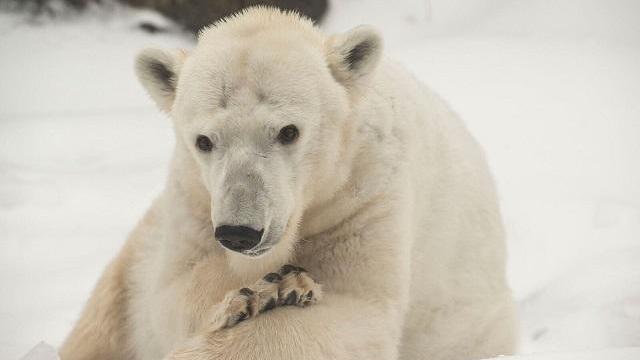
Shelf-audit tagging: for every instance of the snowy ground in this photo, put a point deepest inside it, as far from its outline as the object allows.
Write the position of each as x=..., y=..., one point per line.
x=550, y=88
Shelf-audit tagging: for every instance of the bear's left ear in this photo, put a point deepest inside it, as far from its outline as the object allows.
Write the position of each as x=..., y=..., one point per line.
x=158, y=72
x=354, y=55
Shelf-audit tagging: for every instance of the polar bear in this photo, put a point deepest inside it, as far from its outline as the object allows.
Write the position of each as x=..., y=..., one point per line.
x=297, y=148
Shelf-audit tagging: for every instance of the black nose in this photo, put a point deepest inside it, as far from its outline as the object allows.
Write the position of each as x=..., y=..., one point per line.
x=238, y=238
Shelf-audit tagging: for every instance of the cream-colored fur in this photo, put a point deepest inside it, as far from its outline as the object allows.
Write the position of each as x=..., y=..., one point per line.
x=384, y=198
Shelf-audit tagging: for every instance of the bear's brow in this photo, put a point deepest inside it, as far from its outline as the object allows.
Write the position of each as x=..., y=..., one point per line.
x=226, y=93
x=260, y=94
x=224, y=96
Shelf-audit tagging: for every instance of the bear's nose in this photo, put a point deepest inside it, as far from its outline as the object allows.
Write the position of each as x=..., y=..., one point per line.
x=238, y=238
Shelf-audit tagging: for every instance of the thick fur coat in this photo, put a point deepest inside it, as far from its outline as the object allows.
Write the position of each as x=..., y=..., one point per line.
x=346, y=166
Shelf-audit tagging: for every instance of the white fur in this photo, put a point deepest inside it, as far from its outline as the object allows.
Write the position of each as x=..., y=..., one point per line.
x=385, y=199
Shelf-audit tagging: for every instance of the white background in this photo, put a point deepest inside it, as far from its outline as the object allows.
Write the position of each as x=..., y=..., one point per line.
x=550, y=88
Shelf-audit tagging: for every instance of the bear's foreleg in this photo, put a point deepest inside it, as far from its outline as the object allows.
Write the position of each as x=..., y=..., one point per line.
x=338, y=327
x=100, y=332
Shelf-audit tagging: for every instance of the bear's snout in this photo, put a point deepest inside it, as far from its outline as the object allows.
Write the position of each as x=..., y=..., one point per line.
x=238, y=238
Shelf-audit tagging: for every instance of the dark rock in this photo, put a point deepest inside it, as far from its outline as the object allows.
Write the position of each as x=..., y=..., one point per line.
x=193, y=15
x=196, y=14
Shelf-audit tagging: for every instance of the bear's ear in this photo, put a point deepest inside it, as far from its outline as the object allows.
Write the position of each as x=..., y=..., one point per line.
x=353, y=55
x=158, y=72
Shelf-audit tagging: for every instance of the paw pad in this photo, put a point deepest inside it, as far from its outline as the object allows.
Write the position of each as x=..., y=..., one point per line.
x=246, y=292
x=272, y=278
x=270, y=305
x=291, y=299
x=297, y=287
x=287, y=269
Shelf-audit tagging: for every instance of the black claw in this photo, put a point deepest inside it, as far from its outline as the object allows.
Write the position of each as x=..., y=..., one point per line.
x=287, y=269
x=272, y=278
x=269, y=306
x=310, y=295
x=242, y=316
x=246, y=292
x=301, y=269
x=292, y=298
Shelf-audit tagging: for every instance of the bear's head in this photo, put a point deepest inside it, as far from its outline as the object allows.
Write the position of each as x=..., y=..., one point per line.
x=262, y=108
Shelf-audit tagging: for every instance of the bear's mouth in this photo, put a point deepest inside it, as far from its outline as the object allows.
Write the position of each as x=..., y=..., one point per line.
x=256, y=252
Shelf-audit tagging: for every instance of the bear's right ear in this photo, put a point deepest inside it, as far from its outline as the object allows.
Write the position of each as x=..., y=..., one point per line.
x=158, y=72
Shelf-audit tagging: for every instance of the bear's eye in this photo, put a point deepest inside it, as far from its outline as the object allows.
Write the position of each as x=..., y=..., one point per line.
x=288, y=134
x=204, y=143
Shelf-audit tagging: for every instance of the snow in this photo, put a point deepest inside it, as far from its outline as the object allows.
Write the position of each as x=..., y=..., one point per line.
x=42, y=351
x=549, y=88
x=609, y=354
